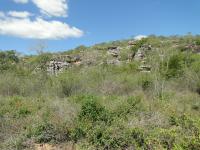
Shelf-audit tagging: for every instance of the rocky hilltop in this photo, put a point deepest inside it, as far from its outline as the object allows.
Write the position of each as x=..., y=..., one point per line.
x=116, y=53
x=111, y=55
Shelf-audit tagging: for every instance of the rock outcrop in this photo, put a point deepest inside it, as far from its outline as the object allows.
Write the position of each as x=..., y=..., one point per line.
x=54, y=67
x=114, y=51
x=140, y=56
x=59, y=63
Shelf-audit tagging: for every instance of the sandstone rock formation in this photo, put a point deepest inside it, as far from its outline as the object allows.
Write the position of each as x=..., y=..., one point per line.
x=114, y=51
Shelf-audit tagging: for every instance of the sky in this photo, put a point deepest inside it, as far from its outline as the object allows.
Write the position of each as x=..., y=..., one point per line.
x=66, y=24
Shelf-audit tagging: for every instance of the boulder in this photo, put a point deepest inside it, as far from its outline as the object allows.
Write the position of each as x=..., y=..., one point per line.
x=145, y=68
x=139, y=55
x=55, y=67
x=132, y=43
x=114, y=51
x=113, y=62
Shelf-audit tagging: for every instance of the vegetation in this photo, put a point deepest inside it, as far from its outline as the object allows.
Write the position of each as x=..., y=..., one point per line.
x=104, y=106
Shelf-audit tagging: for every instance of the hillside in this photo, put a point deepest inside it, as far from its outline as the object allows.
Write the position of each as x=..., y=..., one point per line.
x=126, y=95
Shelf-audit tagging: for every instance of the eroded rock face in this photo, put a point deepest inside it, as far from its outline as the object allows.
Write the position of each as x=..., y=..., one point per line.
x=192, y=47
x=55, y=67
x=113, y=62
x=114, y=51
x=145, y=68
x=91, y=58
x=139, y=55
x=61, y=63
x=132, y=43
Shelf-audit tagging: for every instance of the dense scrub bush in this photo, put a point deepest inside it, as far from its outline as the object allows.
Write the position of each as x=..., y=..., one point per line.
x=195, y=65
x=167, y=138
x=197, y=42
x=131, y=106
x=174, y=67
x=12, y=84
x=145, y=81
x=8, y=60
x=98, y=125
x=47, y=132
x=93, y=111
x=9, y=85
x=192, y=144
x=69, y=84
x=23, y=112
x=41, y=61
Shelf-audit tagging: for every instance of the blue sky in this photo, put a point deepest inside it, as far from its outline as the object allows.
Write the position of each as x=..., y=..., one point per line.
x=87, y=22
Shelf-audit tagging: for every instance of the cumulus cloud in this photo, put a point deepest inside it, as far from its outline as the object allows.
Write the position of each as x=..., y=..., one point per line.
x=27, y=25
x=21, y=1
x=37, y=29
x=19, y=14
x=139, y=37
x=52, y=8
x=55, y=8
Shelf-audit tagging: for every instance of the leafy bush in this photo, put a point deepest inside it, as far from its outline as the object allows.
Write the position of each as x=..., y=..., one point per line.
x=8, y=60
x=69, y=84
x=130, y=107
x=167, y=139
x=22, y=112
x=46, y=132
x=41, y=61
x=192, y=144
x=174, y=66
x=145, y=82
x=94, y=111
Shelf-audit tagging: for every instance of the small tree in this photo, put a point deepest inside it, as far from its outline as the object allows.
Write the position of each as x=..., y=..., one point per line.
x=8, y=59
x=39, y=47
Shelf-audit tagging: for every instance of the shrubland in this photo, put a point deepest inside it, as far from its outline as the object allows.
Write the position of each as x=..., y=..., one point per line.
x=104, y=106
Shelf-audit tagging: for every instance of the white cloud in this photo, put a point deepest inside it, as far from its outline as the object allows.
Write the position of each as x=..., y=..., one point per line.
x=37, y=29
x=56, y=8
x=21, y=24
x=139, y=37
x=2, y=15
x=19, y=14
x=21, y=1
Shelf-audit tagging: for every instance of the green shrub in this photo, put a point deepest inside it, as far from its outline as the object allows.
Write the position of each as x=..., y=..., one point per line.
x=167, y=139
x=192, y=144
x=145, y=82
x=42, y=60
x=138, y=136
x=8, y=60
x=197, y=42
x=93, y=111
x=131, y=106
x=46, y=132
x=77, y=133
x=9, y=85
x=104, y=137
x=23, y=112
x=69, y=83
x=174, y=66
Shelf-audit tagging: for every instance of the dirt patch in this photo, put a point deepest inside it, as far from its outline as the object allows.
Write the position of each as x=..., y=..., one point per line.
x=54, y=147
